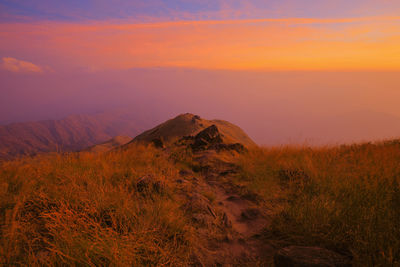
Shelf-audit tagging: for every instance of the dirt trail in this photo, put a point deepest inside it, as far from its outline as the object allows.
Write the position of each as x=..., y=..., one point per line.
x=248, y=221
x=245, y=220
x=244, y=217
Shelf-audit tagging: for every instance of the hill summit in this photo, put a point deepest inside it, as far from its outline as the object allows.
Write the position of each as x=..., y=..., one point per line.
x=190, y=127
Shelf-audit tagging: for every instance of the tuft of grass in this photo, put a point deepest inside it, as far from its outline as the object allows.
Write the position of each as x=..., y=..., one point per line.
x=345, y=198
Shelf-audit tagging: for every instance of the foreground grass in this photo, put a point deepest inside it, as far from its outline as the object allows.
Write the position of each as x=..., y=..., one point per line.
x=345, y=198
x=85, y=209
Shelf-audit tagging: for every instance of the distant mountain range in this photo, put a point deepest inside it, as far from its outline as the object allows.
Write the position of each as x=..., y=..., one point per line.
x=72, y=133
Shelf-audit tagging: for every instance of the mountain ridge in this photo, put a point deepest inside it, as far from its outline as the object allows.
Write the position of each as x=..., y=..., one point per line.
x=72, y=133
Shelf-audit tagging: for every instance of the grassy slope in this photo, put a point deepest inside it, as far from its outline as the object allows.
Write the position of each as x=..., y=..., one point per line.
x=345, y=198
x=84, y=209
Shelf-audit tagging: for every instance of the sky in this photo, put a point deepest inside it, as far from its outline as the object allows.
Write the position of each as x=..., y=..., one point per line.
x=288, y=63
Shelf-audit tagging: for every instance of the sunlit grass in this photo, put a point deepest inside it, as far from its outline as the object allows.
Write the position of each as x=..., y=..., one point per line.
x=85, y=209
x=345, y=198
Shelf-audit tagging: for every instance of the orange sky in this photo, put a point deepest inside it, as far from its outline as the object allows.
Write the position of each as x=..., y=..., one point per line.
x=286, y=70
x=370, y=43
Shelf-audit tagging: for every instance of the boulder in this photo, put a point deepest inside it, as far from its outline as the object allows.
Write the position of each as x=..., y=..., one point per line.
x=297, y=256
x=210, y=135
x=204, y=139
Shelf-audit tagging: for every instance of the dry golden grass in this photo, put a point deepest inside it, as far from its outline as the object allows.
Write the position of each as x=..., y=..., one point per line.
x=345, y=198
x=85, y=209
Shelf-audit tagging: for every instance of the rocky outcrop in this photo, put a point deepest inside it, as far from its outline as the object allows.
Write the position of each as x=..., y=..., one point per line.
x=211, y=138
x=206, y=138
x=296, y=256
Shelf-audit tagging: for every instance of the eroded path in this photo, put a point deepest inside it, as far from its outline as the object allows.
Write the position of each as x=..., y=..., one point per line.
x=236, y=224
x=248, y=221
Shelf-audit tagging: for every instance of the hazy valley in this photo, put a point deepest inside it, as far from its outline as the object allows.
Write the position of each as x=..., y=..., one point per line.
x=73, y=133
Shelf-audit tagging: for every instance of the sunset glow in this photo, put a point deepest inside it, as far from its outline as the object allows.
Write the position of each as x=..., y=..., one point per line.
x=296, y=65
x=238, y=41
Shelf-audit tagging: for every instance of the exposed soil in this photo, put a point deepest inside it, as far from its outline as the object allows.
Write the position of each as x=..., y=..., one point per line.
x=235, y=235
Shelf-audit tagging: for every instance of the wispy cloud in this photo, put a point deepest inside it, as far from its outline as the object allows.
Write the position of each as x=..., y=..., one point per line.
x=16, y=65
